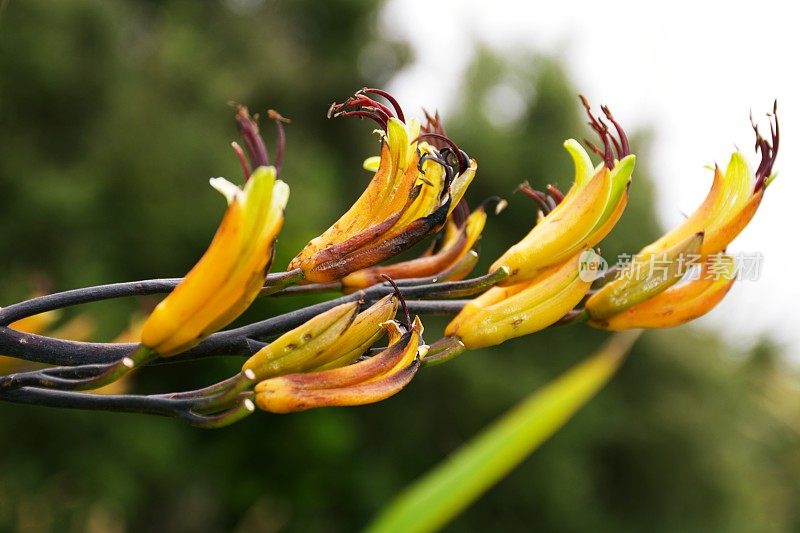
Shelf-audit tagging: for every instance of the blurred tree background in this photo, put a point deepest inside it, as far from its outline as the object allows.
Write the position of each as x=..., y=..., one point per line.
x=112, y=117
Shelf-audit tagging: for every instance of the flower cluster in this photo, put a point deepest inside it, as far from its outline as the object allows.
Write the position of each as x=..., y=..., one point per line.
x=332, y=353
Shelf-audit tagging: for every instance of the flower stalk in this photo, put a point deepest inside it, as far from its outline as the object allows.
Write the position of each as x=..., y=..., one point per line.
x=331, y=353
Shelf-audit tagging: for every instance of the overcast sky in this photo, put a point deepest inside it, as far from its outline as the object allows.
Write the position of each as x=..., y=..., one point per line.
x=689, y=74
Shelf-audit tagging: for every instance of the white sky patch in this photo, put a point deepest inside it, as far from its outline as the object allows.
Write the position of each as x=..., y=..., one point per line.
x=691, y=72
x=504, y=104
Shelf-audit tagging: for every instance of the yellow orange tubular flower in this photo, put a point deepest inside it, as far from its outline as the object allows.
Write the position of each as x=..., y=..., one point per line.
x=365, y=330
x=230, y=274
x=459, y=237
x=648, y=274
x=680, y=303
x=367, y=381
x=410, y=196
x=331, y=339
x=502, y=313
x=733, y=199
x=729, y=206
x=585, y=215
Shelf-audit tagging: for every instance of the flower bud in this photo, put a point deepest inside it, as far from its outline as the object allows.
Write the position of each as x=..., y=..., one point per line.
x=647, y=275
x=682, y=302
x=367, y=381
x=297, y=350
x=502, y=313
x=331, y=339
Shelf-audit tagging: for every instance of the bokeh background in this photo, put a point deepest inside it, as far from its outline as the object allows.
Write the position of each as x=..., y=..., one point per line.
x=112, y=117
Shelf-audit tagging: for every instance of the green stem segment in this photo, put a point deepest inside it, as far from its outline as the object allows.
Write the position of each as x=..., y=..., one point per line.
x=231, y=392
x=280, y=281
x=460, y=289
x=243, y=409
x=116, y=371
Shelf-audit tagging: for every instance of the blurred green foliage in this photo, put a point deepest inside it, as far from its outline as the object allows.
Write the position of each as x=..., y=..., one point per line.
x=113, y=116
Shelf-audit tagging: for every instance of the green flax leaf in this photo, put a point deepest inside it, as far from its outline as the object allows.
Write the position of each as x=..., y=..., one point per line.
x=443, y=493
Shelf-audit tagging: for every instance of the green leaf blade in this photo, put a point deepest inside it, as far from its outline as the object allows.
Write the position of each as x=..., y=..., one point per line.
x=443, y=493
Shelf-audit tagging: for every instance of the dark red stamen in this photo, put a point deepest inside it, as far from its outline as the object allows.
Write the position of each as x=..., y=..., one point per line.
x=449, y=173
x=608, y=157
x=537, y=196
x=365, y=102
x=589, y=144
x=623, y=137
x=463, y=158
x=372, y=115
x=556, y=193
x=253, y=143
x=280, y=140
x=381, y=120
x=495, y=201
x=332, y=110
x=617, y=144
x=392, y=100
x=610, y=143
x=248, y=145
x=433, y=124
x=242, y=159
x=768, y=151
x=429, y=157
x=362, y=106
x=539, y=199
x=399, y=297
